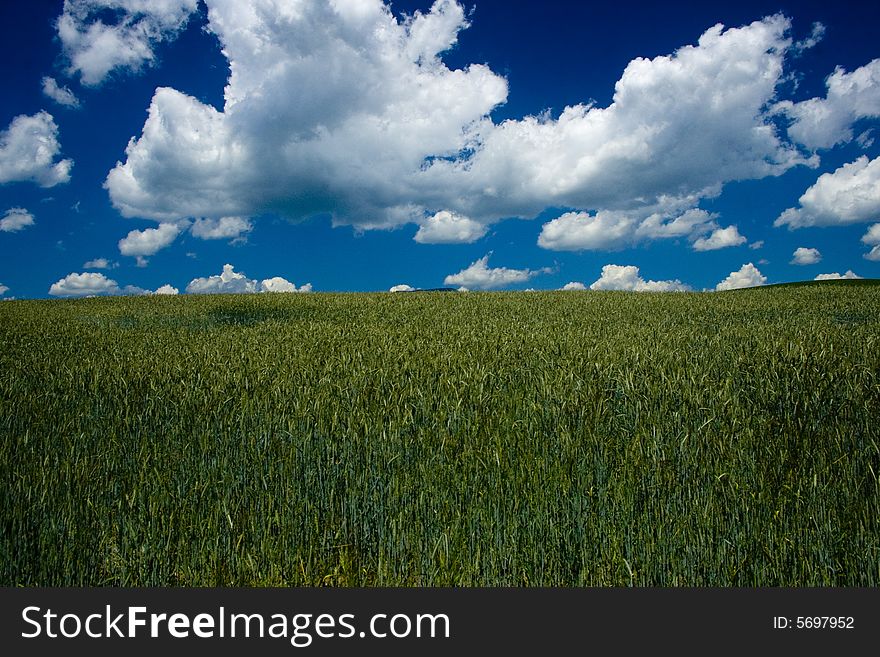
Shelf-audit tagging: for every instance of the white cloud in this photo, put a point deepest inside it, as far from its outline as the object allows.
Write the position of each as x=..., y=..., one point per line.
x=402, y=288
x=95, y=48
x=27, y=151
x=167, y=290
x=61, y=95
x=757, y=245
x=805, y=256
x=577, y=231
x=872, y=239
x=3, y=289
x=825, y=122
x=384, y=133
x=278, y=284
x=620, y=277
x=231, y=228
x=721, y=238
x=228, y=282
x=449, y=228
x=147, y=242
x=574, y=285
x=15, y=220
x=849, y=195
x=747, y=276
x=84, y=285
x=609, y=230
x=100, y=263
x=849, y=275
x=479, y=276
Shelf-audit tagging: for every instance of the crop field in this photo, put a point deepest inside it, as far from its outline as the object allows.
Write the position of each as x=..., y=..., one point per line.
x=534, y=439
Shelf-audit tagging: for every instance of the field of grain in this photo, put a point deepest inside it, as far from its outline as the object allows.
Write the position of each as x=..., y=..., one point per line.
x=538, y=439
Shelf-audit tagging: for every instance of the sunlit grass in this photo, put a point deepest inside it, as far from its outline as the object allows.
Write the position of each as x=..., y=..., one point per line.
x=443, y=439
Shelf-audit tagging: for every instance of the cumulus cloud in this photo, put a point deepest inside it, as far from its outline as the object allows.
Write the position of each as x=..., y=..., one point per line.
x=278, y=284
x=90, y=284
x=449, y=228
x=573, y=285
x=100, y=36
x=3, y=289
x=167, y=290
x=872, y=239
x=147, y=242
x=747, y=276
x=61, y=95
x=825, y=122
x=342, y=108
x=28, y=148
x=849, y=195
x=224, y=228
x=402, y=288
x=721, y=238
x=83, y=285
x=100, y=263
x=620, y=277
x=849, y=275
x=230, y=281
x=609, y=230
x=16, y=219
x=479, y=276
x=805, y=256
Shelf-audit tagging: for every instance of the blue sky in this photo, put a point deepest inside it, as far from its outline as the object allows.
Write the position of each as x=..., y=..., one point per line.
x=351, y=145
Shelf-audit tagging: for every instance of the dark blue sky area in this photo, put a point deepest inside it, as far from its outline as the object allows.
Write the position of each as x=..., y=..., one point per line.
x=552, y=54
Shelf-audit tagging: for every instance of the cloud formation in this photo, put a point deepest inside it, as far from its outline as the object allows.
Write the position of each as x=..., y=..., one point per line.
x=91, y=284
x=3, y=289
x=342, y=108
x=849, y=275
x=402, y=288
x=449, y=228
x=826, y=122
x=747, y=276
x=573, y=286
x=224, y=228
x=872, y=239
x=101, y=36
x=99, y=263
x=627, y=278
x=16, y=219
x=721, y=238
x=849, y=195
x=806, y=256
x=61, y=95
x=230, y=281
x=28, y=148
x=148, y=242
x=480, y=277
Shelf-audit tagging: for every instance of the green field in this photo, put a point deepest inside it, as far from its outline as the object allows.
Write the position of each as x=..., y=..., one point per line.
x=536, y=439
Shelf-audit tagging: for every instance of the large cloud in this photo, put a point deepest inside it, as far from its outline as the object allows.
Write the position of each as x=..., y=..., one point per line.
x=341, y=108
x=100, y=36
x=627, y=277
x=825, y=122
x=28, y=148
x=849, y=195
x=16, y=219
x=478, y=275
x=746, y=276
